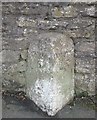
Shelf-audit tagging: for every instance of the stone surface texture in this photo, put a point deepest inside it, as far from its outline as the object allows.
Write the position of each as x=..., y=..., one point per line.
x=84, y=1
x=22, y=21
x=50, y=71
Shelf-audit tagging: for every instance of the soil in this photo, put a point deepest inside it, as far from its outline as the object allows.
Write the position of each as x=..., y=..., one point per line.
x=17, y=105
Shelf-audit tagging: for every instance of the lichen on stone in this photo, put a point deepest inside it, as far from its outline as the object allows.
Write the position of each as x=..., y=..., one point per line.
x=50, y=71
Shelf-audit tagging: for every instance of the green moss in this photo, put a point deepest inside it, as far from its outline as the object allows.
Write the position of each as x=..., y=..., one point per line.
x=83, y=99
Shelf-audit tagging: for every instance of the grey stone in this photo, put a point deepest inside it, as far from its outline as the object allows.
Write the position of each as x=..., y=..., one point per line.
x=81, y=46
x=21, y=66
x=89, y=11
x=12, y=85
x=92, y=39
x=22, y=21
x=0, y=77
x=75, y=33
x=14, y=74
x=57, y=13
x=24, y=54
x=85, y=65
x=80, y=23
x=8, y=8
x=85, y=82
x=50, y=74
x=68, y=11
x=84, y=1
x=18, y=67
x=48, y=24
x=10, y=27
x=10, y=56
x=0, y=45
x=15, y=44
x=85, y=49
x=26, y=22
x=88, y=32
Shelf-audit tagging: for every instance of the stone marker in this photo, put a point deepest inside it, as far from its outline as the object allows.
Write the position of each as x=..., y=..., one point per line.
x=50, y=71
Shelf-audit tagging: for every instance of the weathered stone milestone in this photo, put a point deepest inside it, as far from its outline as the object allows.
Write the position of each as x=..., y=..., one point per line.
x=50, y=71
x=48, y=50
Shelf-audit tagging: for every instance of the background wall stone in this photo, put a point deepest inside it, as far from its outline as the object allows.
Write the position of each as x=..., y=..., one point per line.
x=21, y=21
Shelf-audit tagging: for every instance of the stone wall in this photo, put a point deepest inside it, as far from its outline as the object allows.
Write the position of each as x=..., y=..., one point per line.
x=22, y=21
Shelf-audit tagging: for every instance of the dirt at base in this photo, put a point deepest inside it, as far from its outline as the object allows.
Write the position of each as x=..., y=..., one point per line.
x=17, y=105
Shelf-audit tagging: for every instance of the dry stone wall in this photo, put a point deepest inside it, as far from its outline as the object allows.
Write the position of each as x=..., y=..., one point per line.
x=23, y=21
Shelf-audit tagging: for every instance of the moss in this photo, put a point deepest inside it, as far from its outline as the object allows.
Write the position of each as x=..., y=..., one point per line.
x=89, y=103
x=83, y=99
x=82, y=94
x=58, y=13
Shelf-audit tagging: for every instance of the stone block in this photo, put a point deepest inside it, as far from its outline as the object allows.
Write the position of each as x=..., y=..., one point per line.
x=85, y=49
x=15, y=44
x=85, y=82
x=50, y=71
x=85, y=65
x=68, y=11
x=24, y=54
x=10, y=56
x=24, y=22
x=88, y=32
x=90, y=11
x=81, y=23
x=15, y=73
x=84, y=1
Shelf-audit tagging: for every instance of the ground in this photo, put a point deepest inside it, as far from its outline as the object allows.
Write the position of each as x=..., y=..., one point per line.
x=18, y=106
